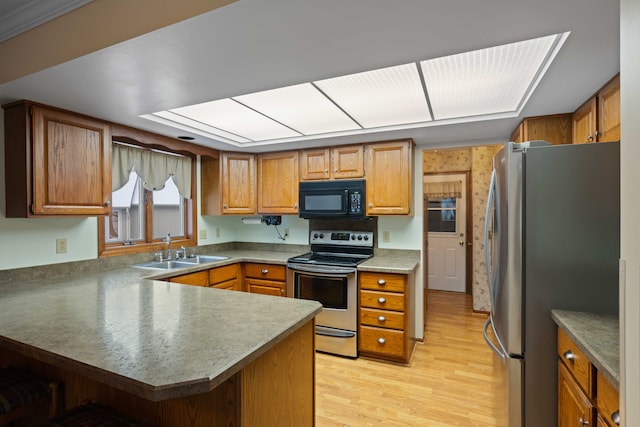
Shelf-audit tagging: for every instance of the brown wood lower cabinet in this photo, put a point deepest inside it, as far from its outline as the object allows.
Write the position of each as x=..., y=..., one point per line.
x=199, y=278
x=226, y=277
x=384, y=314
x=585, y=397
x=266, y=279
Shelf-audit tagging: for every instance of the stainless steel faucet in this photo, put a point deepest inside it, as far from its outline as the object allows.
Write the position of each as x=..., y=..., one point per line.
x=168, y=245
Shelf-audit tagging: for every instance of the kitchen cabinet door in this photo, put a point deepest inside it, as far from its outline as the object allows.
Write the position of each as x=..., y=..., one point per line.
x=229, y=184
x=609, y=111
x=226, y=277
x=555, y=129
x=314, y=164
x=584, y=122
x=199, y=278
x=59, y=161
x=278, y=183
x=573, y=405
x=347, y=162
x=389, y=171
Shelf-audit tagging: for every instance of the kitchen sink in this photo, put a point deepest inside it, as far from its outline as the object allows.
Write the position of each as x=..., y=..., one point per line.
x=202, y=259
x=182, y=263
x=164, y=265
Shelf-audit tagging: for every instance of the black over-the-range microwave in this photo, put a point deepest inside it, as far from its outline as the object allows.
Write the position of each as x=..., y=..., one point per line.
x=332, y=199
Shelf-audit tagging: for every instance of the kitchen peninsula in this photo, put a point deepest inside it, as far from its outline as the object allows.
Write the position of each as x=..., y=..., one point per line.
x=168, y=354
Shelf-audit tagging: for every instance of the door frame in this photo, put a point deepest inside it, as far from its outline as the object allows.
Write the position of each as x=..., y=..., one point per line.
x=468, y=253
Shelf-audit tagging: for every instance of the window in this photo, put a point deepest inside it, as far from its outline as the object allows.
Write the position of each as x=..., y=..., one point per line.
x=148, y=202
x=442, y=215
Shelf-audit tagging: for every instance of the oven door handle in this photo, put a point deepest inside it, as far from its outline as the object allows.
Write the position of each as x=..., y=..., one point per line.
x=336, y=333
x=323, y=270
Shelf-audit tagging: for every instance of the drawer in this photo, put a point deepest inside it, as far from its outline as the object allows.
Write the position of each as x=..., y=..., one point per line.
x=576, y=362
x=383, y=281
x=266, y=271
x=382, y=300
x=382, y=318
x=223, y=274
x=382, y=341
x=608, y=400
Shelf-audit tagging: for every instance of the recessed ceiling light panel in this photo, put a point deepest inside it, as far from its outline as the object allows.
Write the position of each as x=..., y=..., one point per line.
x=485, y=81
x=389, y=96
x=179, y=121
x=301, y=107
x=237, y=119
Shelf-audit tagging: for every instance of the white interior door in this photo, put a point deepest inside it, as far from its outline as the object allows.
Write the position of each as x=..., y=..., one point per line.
x=446, y=249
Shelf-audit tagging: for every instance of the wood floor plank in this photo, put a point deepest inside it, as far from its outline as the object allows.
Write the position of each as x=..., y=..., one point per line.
x=450, y=380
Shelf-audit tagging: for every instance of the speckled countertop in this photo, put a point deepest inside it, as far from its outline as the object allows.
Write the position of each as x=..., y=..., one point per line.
x=597, y=336
x=152, y=338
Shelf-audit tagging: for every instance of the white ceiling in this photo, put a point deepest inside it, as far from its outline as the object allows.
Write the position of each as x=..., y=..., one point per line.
x=256, y=45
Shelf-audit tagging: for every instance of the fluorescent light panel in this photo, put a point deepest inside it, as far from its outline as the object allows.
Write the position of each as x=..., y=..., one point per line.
x=301, y=107
x=478, y=85
x=389, y=96
x=485, y=81
x=237, y=119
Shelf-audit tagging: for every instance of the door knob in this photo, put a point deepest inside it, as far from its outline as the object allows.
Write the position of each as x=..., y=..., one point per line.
x=461, y=243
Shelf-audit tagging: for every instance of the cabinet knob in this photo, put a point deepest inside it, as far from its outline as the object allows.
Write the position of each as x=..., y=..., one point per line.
x=370, y=205
x=569, y=355
x=326, y=171
x=295, y=206
x=615, y=417
x=382, y=300
x=381, y=341
x=335, y=170
x=382, y=319
x=281, y=291
x=225, y=206
x=382, y=282
x=583, y=422
x=590, y=138
x=107, y=204
x=264, y=271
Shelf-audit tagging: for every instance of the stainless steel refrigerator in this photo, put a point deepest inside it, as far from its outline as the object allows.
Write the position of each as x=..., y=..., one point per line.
x=552, y=240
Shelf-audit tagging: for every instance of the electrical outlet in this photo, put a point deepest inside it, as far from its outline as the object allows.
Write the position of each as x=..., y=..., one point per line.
x=386, y=236
x=286, y=233
x=203, y=233
x=217, y=231
x=61, y=246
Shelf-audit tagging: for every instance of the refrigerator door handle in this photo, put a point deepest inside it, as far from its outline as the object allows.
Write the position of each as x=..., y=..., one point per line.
x=491, y=200
x=499, y=351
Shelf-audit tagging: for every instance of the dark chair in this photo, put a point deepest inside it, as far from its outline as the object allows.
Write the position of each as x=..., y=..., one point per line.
x=25, y=396
x=93, y=415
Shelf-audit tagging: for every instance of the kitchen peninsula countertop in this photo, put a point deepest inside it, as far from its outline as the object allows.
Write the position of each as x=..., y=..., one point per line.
x=154, y=339
x=597, y=336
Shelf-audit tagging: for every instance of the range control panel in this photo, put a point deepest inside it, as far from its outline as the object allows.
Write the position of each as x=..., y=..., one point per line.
x=346, y=238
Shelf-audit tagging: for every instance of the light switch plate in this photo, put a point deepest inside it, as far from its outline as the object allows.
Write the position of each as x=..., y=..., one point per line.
x=203, y=233
x=386, y=236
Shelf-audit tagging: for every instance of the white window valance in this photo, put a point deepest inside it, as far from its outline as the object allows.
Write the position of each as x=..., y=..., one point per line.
x=441, y=190
x=152, y=166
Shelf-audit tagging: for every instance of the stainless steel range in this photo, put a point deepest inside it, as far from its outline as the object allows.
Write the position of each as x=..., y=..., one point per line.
x=328, y=274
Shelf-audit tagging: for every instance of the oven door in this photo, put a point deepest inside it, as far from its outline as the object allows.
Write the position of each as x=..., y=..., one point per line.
x=334, y=287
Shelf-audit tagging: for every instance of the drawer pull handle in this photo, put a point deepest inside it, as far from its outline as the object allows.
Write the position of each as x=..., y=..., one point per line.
x=583, y=422
x=264, y=271
x=569, y=355
x=382, y=282
x=382, y=319
x=381, y=341
x=615, y=417
x=382, y=300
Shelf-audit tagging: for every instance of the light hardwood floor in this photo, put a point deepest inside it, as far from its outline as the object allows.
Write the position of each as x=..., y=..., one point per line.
x=449, y=383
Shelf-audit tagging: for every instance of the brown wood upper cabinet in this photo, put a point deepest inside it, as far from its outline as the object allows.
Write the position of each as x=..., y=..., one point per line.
x=555, y=129
x=278, y=183
x=229, y=184
x=56, y=162
x=389, y=171
x=598, y=119
x=344, y=162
